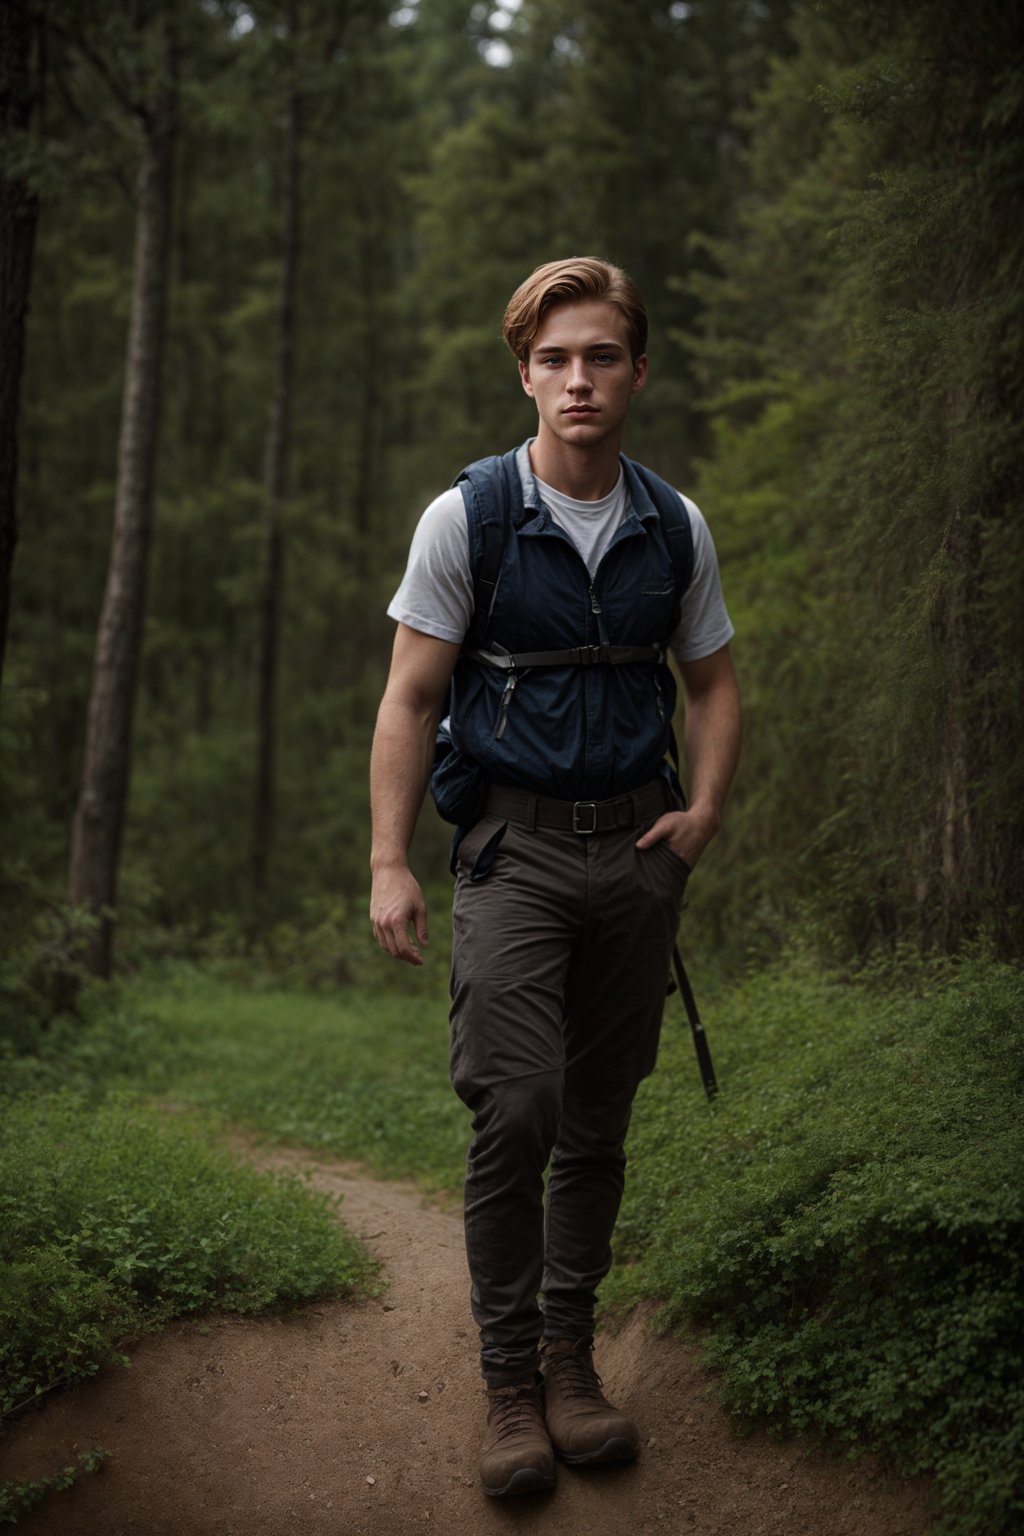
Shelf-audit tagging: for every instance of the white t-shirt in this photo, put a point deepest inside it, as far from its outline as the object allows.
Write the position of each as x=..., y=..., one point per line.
x=436, y=594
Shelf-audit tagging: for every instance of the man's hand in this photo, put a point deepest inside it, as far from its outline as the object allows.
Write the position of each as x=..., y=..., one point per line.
x=687, y=834
x=403, y=750
x=712, y=743
x=396, y=906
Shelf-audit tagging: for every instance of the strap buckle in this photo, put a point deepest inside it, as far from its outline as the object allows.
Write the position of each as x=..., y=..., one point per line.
x=590, y=656
x=580, y=806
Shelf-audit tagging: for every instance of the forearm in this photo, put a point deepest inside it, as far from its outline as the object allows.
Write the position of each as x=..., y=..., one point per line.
x=400, y=762
x=712, y=748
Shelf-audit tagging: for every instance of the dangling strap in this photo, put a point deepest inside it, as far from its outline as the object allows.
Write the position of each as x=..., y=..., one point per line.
x=700, y=1039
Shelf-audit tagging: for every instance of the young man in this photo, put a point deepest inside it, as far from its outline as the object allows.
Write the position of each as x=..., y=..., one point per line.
x=572, y=865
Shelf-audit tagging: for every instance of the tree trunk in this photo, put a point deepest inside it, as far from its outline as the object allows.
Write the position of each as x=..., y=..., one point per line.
x=19, y=210
x=275, y=470
x=99, y=818
x=362, y=498
x=957, y=875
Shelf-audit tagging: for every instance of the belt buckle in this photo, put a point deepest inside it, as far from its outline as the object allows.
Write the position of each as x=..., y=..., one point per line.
x=584, y=805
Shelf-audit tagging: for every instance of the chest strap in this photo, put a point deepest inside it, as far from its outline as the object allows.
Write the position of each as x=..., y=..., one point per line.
x=578, y=656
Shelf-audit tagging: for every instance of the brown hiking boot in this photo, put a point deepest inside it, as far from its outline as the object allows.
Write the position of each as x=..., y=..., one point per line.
x=583, y=1425
x=516, y=1456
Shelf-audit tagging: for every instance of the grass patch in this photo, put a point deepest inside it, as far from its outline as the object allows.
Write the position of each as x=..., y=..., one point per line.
x=353, y=1073
x=115, y=1218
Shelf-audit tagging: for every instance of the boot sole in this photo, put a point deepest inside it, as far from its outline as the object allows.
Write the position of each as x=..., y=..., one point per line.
x=615, y=1449
x=526, y=1480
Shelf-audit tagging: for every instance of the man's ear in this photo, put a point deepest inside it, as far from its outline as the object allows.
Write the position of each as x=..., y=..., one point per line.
x=524, y=375
x=640, y=373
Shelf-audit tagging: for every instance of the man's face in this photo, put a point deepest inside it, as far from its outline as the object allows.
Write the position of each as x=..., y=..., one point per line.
x=580, y=372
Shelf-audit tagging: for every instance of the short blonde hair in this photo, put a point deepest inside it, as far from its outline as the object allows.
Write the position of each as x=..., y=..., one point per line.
x=567, y=282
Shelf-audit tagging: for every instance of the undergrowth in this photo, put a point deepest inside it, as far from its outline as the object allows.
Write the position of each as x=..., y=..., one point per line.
x=19, y=1497
x=844, y=1223
x=848, y=1220
x=115, y=1218
x=354, y=1072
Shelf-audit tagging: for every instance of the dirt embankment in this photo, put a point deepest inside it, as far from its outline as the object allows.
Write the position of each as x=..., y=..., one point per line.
x=366, y=1418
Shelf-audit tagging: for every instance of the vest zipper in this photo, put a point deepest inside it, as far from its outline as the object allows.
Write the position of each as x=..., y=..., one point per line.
x=506, y=700
x=596, y=610
x=658, y=696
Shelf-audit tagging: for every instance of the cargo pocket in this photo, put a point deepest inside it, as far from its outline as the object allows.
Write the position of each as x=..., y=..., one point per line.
x=473, y=859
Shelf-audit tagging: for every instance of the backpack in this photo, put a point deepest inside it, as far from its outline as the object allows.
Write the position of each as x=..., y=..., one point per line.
x=459, y=786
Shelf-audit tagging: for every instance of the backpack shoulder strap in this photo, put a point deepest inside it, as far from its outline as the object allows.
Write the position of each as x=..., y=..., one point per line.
x=675, y=523
x=489, y=489
x=675, y=526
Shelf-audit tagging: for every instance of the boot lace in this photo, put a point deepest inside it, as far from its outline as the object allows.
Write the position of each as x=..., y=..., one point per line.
x=513, y=1409
x=574, y=1370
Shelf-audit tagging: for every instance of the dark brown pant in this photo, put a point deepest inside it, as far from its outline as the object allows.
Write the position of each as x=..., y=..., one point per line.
x=561, y=953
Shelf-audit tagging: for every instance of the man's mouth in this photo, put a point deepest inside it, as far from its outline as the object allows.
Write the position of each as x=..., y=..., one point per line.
x=580, y=410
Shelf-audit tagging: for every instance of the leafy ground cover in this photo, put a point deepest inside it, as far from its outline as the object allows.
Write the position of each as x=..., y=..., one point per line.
x=845, y=1221
x=115, y=1217
x=17, y=1498
x=353, y=1072
x=848, y=1220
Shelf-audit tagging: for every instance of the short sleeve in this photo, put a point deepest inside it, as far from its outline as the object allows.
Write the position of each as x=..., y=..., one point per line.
x=436, y=594
x=704, y=623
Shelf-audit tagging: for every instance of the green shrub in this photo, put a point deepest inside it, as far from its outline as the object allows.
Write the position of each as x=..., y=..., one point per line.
x=17, y=1498
x=848, y=1221
x=114, y=1218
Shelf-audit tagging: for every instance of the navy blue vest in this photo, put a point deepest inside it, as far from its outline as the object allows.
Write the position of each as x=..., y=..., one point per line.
x=574, y=732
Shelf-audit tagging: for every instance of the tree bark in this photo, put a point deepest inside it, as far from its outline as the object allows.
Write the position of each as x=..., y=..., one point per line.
x=275, y=472
x=957, y=869
x=362, y=498
x=19, y=211
x=100, y=814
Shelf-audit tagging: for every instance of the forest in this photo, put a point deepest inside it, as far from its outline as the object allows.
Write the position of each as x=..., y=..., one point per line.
x=255, y=255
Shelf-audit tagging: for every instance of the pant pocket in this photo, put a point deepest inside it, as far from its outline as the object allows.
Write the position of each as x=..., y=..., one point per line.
x=680, y=865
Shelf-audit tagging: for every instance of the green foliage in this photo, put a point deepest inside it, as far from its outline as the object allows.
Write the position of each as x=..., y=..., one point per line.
x=848, y=1220
x=819, y=201
x=822, y=205
x=38, y=968
x=39, y=974
x=845, y=1221
x=18, y=1498
x=860, y=350
x=432, y=182
x=115, y=1218
x=360, y=1074
x=187, y=840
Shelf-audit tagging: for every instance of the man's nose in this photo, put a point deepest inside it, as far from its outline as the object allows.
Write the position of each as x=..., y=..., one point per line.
x=579, y=375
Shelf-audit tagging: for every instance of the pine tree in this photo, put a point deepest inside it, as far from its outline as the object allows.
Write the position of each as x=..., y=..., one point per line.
x=20, y=84
x=861, y=349
x=99, y=818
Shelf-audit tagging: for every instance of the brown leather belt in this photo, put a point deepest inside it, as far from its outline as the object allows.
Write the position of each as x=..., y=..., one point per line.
x=581, y=816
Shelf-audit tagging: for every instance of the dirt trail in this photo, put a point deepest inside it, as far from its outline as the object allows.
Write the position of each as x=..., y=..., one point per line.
x=319, y=1423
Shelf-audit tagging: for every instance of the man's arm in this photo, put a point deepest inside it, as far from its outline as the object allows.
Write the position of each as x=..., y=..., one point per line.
x=403, y=751
x=712, y=749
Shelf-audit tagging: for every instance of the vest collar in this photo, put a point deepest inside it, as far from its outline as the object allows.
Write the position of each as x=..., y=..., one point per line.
x=638, y=504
